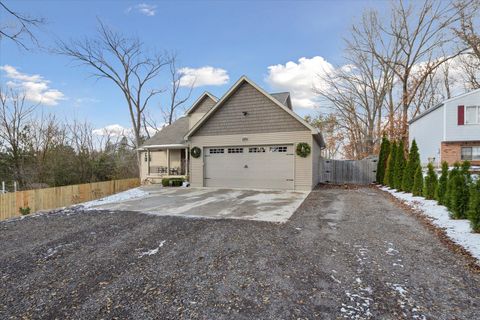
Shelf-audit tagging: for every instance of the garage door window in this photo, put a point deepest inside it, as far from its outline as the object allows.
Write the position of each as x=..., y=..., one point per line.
x=217, y=150
x=256, y=150
x=278, y=149
x=235, y=150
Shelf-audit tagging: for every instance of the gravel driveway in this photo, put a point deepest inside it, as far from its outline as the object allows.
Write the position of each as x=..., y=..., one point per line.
x=343, y=254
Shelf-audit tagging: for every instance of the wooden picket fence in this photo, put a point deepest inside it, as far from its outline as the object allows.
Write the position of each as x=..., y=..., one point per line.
x=57, y=197
x=348, y=171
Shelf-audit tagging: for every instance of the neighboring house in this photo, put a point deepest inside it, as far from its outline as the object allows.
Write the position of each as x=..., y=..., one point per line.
x=449, y=131
x=247, y=139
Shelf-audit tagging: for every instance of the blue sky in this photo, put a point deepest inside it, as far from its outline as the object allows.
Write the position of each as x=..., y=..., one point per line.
x=232, y=37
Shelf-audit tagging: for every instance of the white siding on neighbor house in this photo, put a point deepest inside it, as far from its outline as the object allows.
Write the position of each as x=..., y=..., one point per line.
x=466, y=132
x=428, y=133
x=303, y=166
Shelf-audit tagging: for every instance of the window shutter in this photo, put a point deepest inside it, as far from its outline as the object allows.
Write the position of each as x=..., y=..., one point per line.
x=461, y=115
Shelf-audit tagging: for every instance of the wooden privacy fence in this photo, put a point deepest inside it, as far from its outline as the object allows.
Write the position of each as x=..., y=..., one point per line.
x=51, y=198
x=348, y=171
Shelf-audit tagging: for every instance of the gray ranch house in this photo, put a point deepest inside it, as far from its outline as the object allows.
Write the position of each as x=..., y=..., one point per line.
x=246, y=139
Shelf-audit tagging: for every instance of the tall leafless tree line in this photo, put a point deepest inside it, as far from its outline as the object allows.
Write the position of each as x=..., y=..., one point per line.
x=399, y=65
x=39, y=150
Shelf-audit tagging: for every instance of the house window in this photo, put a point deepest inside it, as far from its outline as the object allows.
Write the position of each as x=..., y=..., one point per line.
x=472, y=115
x=216, y=150
x=471, y=153
x=235, y=150
x=256, y=149
x=278, y=149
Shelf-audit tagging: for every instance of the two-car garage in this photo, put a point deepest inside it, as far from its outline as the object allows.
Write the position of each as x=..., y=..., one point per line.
x=249, y=167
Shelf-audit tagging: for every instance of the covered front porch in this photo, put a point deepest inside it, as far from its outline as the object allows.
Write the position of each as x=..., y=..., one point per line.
x=169, y=161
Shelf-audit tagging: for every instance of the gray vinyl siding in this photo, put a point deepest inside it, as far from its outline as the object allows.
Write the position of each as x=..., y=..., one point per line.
x=263, y=115
x=205, y=105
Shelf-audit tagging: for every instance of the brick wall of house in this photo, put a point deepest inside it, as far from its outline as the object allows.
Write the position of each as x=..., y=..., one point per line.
x=451, y=151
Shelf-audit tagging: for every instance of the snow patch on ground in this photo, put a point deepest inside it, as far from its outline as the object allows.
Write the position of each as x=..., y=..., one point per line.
x=457, y=230
x=152, y=251
x=118, y=197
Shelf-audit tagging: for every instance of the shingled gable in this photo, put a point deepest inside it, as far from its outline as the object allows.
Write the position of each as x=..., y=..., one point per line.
x=201, y=101
x=238, y=85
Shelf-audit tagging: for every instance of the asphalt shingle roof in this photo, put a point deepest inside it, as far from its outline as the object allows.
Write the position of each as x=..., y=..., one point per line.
x=172, y=134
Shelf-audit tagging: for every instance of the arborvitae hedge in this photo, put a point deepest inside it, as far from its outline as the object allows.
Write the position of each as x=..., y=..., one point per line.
x=389, y=171
x=473, y=213
x=451, y=175
x=382, y=159
x=412, y=164
x=418, y=182
x=441, y=190
x=459, y=192
x=430, y=183
x=399, y=166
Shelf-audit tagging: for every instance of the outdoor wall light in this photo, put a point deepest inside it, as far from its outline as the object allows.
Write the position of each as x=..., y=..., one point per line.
x=245, y=113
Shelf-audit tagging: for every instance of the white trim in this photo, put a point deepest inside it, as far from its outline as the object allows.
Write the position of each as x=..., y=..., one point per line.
x=461, y=95
x=194, y=105
x=165, y=146
x=232, y=90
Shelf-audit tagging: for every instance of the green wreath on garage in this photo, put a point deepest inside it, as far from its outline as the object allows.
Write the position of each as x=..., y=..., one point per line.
x=303, y=149
x=196, y=152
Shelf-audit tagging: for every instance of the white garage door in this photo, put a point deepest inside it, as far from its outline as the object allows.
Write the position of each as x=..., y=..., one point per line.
x=263, y=167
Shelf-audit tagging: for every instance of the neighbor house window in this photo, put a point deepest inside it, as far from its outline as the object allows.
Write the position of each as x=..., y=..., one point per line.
x=235, y=150
x=216, y=150
x=472, y=115
x=256, y=149
x=471, y=153
x=278, y=149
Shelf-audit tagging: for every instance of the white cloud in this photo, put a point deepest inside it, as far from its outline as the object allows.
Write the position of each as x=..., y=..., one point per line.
x=35, y=87
x=300, y=78
x=148, y=10
x=113, y=130
x=204, y=76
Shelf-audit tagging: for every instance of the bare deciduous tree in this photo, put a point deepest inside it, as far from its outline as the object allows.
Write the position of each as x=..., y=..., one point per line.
x=420, y=39
x=122, y=60
x=175, y=101
x=15, y=117
x=20, y=27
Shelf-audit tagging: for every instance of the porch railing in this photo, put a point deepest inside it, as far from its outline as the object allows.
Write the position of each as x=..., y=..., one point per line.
x=163, y=171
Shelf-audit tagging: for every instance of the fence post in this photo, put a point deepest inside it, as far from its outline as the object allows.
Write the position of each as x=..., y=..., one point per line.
x=14, y=186
x=3, y=186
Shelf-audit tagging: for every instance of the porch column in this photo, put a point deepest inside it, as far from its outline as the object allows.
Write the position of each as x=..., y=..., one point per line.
x=148, y=162
x=168, y=162
x=187, y=168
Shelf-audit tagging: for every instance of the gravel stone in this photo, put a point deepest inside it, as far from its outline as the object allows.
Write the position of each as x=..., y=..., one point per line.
x=345, y=253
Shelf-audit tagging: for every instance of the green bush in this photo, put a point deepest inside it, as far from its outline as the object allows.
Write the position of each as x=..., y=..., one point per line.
x=459, y=192
x=442, y=185
x=24, y=211
x=451, y=175
x=389, y=171
x=382, y=159
x=174, y=182
x=412, y=164
x=418, y=182
x=473, y=213
x=431, y=181
x=399, y=166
